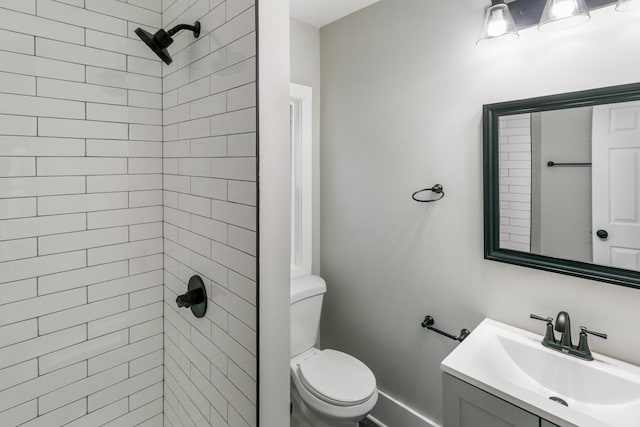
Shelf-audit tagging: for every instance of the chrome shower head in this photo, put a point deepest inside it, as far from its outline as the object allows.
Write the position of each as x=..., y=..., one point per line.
x=161, y=40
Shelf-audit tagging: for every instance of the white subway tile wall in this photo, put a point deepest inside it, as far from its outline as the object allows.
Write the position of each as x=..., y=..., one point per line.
x=515, y=182
x=81, y=215
x=210, y=216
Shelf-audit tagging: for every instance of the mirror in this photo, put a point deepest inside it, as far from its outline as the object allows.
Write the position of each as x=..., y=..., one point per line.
x=562, y=183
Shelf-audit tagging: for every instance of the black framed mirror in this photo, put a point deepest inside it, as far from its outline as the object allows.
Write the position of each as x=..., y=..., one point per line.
x=562, y=183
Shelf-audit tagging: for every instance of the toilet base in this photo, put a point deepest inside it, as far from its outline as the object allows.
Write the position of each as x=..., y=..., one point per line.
x=303, y=416
x=298, y=419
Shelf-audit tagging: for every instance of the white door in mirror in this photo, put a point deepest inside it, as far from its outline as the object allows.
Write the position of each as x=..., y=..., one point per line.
x=616, y=185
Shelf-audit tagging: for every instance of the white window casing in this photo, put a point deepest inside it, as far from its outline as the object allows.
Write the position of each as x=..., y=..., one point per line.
x=301, y=187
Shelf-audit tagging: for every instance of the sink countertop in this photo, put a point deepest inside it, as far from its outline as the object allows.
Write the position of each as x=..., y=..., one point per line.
x=513, y=365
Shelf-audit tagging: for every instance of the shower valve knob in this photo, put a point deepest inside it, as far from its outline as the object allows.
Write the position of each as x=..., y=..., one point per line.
x=190, y=298
x=195, y=298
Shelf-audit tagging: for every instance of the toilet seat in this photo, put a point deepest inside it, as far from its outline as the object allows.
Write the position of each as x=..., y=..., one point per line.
x=337, y=378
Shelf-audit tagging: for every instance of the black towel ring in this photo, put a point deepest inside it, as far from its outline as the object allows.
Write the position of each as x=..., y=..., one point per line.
x=438, y=189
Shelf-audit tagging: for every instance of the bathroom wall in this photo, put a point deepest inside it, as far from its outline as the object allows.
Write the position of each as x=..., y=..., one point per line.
x=305, y=70
x=274, y=151
x=565, y=223
x=80, y=215
x=403, y=85
x=210, y=214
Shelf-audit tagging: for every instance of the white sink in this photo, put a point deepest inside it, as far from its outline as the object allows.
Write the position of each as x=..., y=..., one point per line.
x=512, y=364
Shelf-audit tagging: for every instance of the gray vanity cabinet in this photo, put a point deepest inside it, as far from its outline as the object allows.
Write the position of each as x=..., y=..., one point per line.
x=468, y=406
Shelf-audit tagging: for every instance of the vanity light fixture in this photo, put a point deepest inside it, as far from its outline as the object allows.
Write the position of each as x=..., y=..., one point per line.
x=498, y=23
x=562, y=14
x=628, y=5
x=504, y=18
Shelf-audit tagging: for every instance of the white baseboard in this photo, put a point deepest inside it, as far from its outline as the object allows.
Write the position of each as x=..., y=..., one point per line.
x=390, y=412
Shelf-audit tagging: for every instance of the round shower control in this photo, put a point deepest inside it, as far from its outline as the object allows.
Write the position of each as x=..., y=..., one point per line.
x=195, y=298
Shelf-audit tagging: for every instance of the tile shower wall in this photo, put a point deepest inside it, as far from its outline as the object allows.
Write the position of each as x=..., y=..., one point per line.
x=210, y=214
x=80, y=215
x=515, y=182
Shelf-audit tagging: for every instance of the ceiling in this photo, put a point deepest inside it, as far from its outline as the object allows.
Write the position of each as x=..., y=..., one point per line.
x=322, y=12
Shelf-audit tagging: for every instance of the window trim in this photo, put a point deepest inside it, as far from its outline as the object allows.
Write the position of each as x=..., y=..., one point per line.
x=303, y=97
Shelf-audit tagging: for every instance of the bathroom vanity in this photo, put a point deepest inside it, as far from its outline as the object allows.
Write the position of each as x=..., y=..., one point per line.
x=503, y=376
x=469, y=406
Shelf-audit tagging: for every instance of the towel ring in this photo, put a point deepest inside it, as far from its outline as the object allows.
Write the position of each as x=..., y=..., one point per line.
x=438, y=189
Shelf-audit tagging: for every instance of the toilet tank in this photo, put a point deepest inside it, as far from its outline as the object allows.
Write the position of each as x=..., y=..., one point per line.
x=306, y=306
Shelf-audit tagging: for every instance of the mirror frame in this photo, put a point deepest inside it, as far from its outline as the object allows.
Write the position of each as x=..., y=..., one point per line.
x=491, y=127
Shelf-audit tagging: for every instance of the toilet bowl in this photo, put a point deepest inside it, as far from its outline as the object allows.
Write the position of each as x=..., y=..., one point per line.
x=329, y=388
x=333, y=389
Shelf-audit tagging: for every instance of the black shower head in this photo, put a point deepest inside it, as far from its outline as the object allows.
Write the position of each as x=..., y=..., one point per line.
x=158, y=43
x=161, y=40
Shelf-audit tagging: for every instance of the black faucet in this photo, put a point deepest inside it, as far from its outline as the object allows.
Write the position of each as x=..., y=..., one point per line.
x=565, y=345
x=563, y=325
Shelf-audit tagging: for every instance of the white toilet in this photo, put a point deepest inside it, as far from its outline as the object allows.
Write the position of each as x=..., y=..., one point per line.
x=329, y=388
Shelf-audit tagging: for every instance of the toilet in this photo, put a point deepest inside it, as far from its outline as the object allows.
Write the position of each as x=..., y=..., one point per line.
x=328, y=388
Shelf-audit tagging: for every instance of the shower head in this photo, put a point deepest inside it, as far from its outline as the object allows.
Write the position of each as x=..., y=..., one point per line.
x=161, y=40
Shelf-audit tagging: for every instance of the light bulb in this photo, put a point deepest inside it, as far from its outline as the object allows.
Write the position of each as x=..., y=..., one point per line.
x=562, y=14
x=563, y=9
x=497, y=26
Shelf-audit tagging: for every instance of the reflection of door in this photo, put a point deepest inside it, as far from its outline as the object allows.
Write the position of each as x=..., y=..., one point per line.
x=616, y=185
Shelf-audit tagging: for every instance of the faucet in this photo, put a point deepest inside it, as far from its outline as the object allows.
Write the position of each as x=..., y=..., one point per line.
x=565, y=345
x=563, y=325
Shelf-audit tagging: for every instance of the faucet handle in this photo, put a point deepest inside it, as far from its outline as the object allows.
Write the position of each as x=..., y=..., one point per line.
x=549, y=336
x=583, y=345
x=544, y=319
x=584, y=330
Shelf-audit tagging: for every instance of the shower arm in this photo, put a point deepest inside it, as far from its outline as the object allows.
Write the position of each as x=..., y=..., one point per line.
x=180, y=27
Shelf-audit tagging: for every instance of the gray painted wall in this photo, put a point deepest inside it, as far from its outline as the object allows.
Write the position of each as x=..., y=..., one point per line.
x=403, y=85
x=565, y=192
x=305, y=70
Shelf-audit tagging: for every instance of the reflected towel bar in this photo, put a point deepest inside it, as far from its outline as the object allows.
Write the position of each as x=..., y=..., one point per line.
x=552, y=164
x=429, y=321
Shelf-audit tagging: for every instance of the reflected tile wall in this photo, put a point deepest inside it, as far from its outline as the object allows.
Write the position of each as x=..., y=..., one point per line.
x=515, y=182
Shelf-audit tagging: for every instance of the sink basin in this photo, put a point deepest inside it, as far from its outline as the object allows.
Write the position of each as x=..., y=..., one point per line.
x=512, y=364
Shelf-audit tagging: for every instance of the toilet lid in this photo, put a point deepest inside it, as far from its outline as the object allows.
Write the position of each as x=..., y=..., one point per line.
x=337, y=378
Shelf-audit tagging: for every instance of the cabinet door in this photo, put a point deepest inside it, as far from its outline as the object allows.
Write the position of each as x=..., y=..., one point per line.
x=468, y=406
x=545, y=423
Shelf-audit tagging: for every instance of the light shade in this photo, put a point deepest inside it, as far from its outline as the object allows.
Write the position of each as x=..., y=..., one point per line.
x=562, y=14
x=498, y=23
x=628, y=5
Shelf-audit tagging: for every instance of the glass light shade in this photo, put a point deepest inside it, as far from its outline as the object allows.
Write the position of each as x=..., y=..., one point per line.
x=498, y=23
x=562, y=14
x=628, y=5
